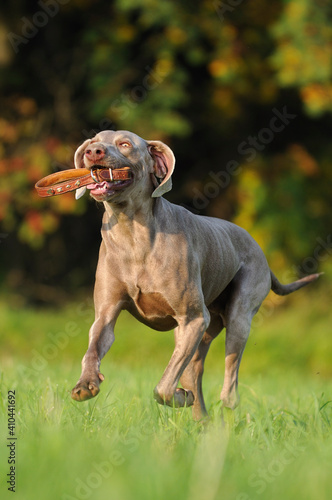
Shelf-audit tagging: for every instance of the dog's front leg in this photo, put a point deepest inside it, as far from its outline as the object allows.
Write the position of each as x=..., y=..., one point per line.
x=101, y=337
x=187, y=338
x=108, y=298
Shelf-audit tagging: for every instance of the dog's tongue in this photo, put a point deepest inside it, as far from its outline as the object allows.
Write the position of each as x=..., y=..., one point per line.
x=95, y=185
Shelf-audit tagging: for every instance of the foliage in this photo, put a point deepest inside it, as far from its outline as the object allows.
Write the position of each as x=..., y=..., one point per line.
x=303, y=55
x=206, y=79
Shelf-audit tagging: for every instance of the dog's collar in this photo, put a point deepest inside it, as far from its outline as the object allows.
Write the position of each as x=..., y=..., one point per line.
x=69, y=180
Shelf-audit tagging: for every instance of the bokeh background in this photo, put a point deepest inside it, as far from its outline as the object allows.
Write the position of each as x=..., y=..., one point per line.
x=210, y=79
x=241, y=90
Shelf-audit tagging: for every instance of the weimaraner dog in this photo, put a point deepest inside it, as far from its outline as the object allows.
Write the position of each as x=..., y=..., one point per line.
x=170, y=269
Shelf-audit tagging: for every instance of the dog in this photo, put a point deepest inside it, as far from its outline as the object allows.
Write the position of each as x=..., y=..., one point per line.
x=170, y=269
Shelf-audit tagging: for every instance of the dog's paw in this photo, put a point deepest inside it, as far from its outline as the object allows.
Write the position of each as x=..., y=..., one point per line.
x=182, y=397
x=87, y=389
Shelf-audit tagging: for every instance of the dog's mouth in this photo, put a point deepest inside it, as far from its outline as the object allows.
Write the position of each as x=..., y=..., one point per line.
x=108, y=182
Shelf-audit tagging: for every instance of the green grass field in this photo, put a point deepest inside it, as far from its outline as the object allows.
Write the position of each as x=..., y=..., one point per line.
x=123, y=446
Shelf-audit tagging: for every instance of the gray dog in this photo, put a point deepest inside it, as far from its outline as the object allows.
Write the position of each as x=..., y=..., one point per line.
x=170, y=269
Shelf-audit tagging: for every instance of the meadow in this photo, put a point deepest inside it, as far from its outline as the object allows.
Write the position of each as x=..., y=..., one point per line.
x=124, y=446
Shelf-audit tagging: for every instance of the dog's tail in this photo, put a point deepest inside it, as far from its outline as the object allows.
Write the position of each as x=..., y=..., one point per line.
x=280, y=289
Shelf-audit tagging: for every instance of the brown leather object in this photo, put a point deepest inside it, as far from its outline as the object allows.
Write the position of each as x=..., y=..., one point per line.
x=69, y=180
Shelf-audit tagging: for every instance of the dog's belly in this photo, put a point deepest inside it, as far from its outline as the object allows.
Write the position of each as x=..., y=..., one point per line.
x=153, y=310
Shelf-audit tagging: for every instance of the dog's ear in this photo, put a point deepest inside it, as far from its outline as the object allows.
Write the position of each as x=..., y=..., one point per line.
x=164, y=162
x=78, y=161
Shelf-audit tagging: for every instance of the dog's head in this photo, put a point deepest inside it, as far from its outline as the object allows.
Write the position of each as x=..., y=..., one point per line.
x=151, y=164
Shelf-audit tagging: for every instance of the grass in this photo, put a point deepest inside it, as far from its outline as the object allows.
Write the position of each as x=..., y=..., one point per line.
x=124, y=446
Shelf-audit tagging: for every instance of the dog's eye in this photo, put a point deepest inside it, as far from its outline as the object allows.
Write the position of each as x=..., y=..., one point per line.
x=125, y=144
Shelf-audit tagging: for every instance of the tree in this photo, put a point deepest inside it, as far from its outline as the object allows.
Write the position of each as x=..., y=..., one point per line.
x=242, y=97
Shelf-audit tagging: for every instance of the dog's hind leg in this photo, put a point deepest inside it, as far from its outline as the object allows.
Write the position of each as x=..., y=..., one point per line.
x=247, y=293
x=237, y=332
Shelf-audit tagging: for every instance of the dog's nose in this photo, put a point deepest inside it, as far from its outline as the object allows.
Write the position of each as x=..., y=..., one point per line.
x=95, y=152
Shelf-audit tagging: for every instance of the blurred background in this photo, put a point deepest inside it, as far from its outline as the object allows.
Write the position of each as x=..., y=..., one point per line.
x=240, y=90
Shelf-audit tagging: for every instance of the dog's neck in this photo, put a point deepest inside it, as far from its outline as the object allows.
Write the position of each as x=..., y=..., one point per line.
x=130, y=225
x=129, y=210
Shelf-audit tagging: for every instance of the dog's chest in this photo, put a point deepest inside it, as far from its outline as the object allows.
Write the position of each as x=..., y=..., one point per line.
x=153, y=304
x=151, y=307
